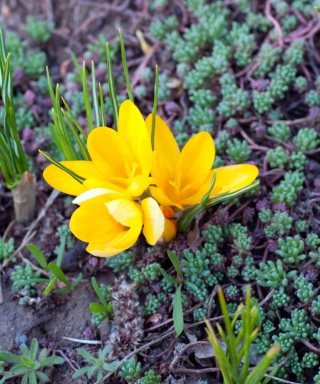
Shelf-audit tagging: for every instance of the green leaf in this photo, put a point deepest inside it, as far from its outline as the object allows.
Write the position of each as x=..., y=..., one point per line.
x=25, y=378
x=49, y=287
x=103, y=117
x=169, y=279
x=57, y=272
x=24, y=350
x=40, y=257
x=112, y=89
x=98, y=292
x=86, y=97
x=43, y=354
x=109, y=367
x=7, y=356
x=215, y=199
x=32, y=378
x=96, y=308
x=177, y=312
x=78, y=178
x=125, y=67
x=80, y=372
x=154, y=109
x=42, y=376
x=95, y=97
x=86, y=355
x=175, y=262
x=34, y=349
x=258, y=372
x=75, y=283
x=19, y=369
x=52, y=360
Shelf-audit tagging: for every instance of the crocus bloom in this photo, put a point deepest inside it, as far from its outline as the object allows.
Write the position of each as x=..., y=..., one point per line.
x=111, y=226
x=120, y=160
x=183, y=177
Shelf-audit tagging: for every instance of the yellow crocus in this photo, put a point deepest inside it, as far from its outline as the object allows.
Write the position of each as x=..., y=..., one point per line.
x=110, y=225
x=183, y=177
x=120, y=160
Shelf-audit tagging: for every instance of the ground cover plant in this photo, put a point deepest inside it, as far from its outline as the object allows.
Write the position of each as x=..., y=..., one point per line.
x=246, y=74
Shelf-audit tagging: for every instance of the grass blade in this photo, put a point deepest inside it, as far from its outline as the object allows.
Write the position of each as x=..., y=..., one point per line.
x=125, y=67
x=112, y=89
x=154, y=110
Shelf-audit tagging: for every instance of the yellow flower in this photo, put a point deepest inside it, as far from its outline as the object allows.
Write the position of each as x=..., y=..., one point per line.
x=120, y=160
x=110, y=225
x=183, y=178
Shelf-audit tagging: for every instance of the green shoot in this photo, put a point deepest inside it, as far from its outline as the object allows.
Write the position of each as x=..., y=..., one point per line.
x=234, y=362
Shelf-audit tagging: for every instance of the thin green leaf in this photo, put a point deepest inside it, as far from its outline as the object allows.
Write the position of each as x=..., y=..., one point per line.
x=40, y=257
x=86, y=355
x=57, y=272
x=33, y=349
x=32, y=378
x=7, y=356
x=78, y=178
x=169, y=279
x=178, y=320
x=80, y=372
x=223, y=362
x=213, y=201
x=175, y=262
x=103, y=117
x=61, y=250
x=257, y=374
x=86, y=97
x=154, y=109
x=74, y=120
x=49, y=286
x=52, y=360
x=112, y=89
x=98, y=292
x=125, y=67
x=81, y=145
x=95, y=97
x=96, y=308
x=109, y=367
x=42, y=376
x=75, y=283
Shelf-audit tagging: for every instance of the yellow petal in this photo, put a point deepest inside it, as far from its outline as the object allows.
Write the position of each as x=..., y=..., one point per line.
x=94, y=183
x=125, y=212
x=122, y=242
x=234, y=177
x=139, y=184
x=92, y=222
x=153, y=220
x=109, y=152
x=92, y=193
x=65, y=183
x=133, y=130
x=161, y=198
x=159, y=172
x=165, y=144
x=196, y=159
x=195, y=195
x=170, y=230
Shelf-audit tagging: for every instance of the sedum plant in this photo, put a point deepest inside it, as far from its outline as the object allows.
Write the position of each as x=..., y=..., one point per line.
x=28, y=365
x=234, y=362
